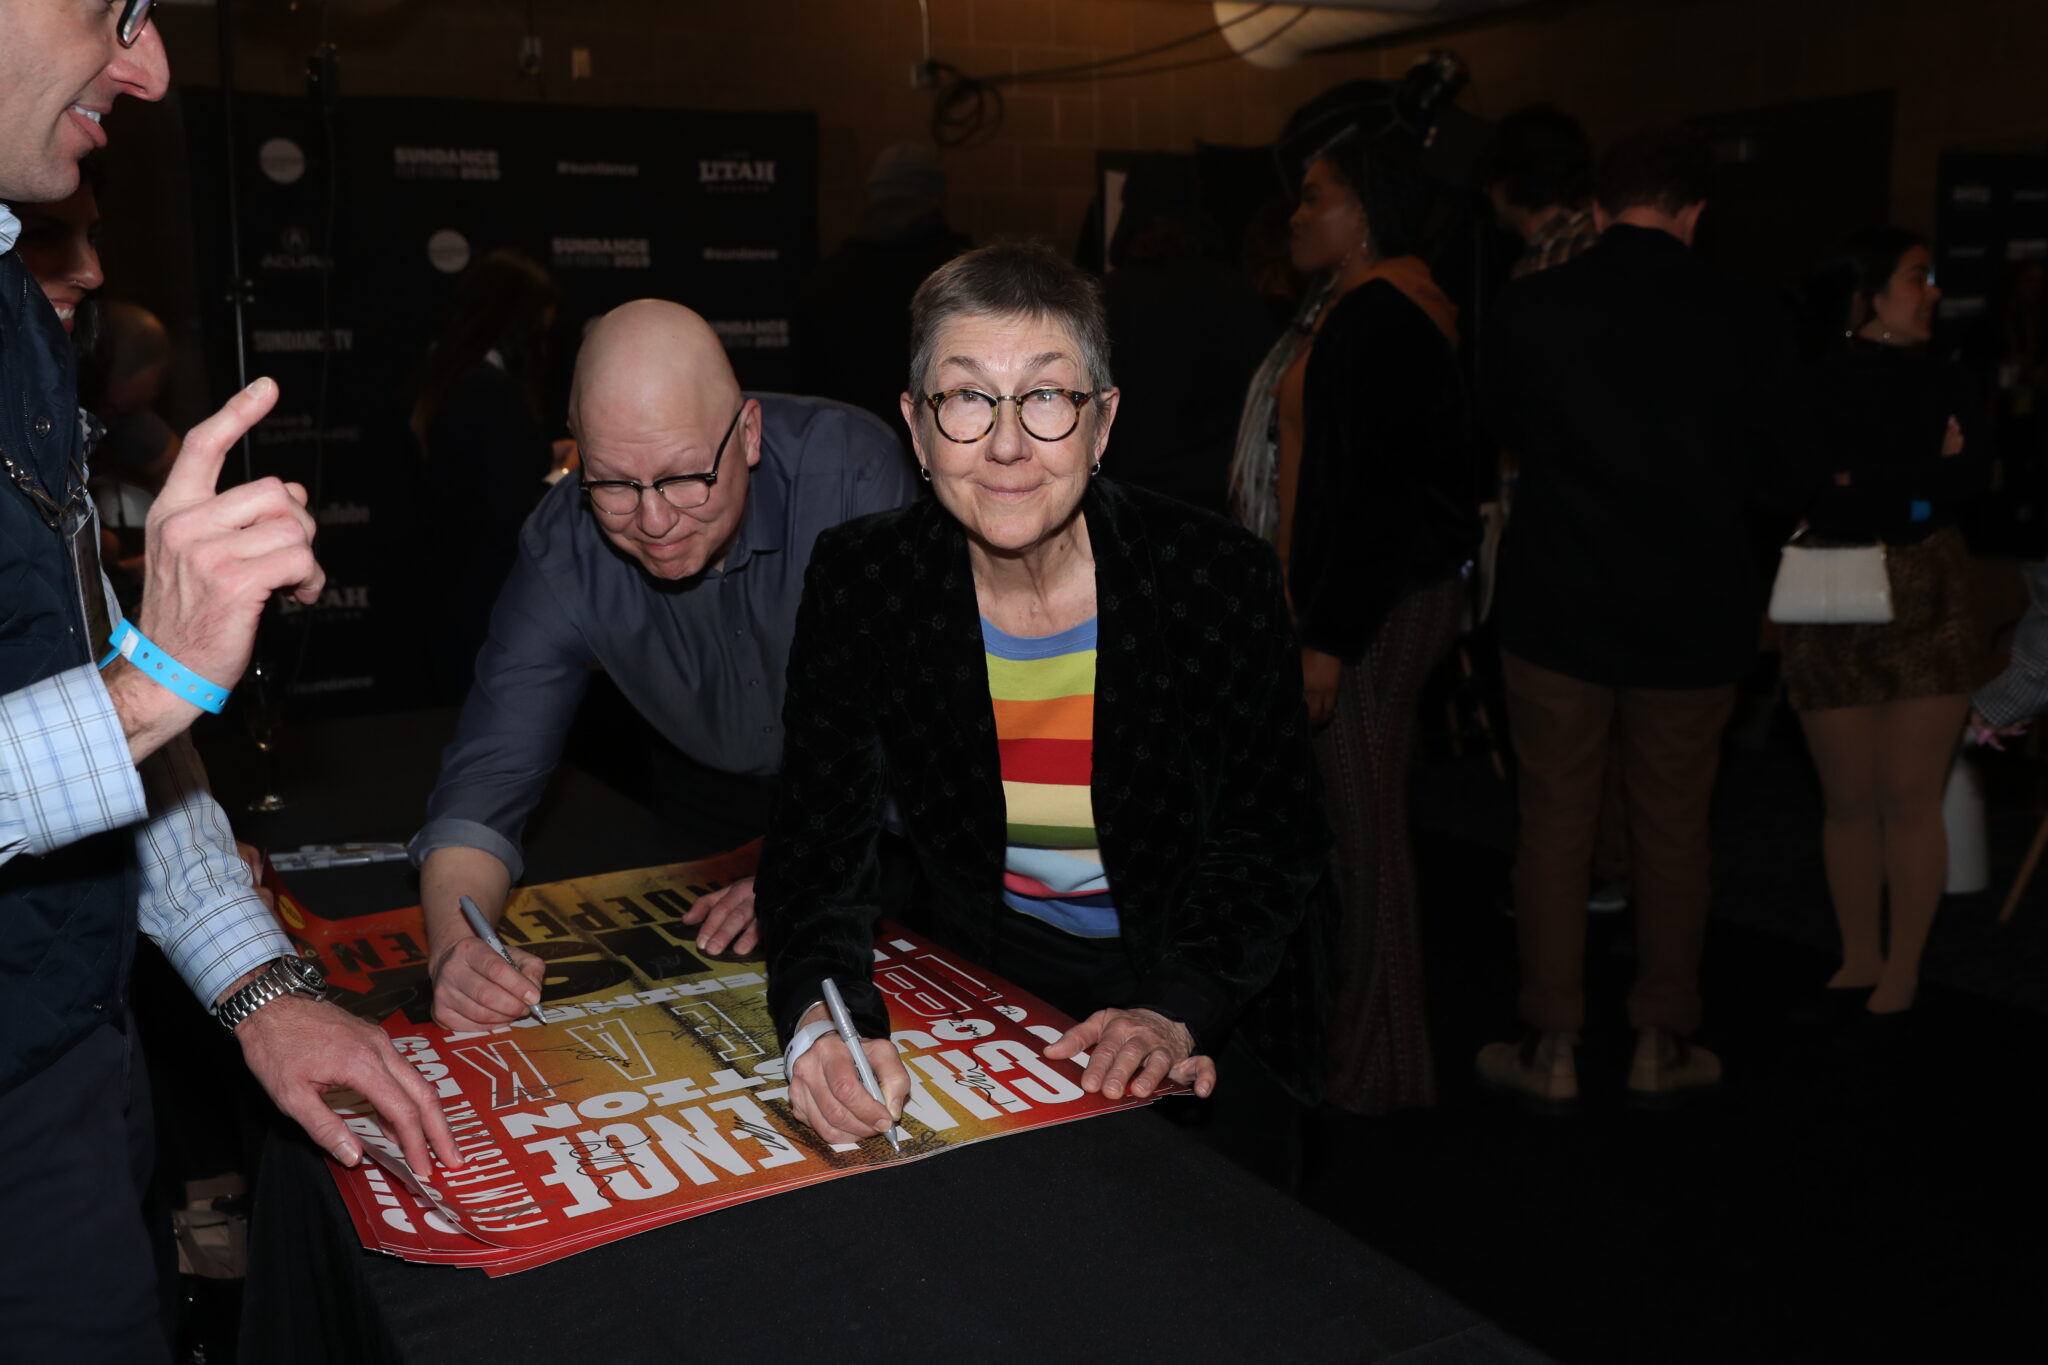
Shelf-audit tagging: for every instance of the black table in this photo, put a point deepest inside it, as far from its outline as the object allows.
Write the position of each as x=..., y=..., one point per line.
x=1117, y=1238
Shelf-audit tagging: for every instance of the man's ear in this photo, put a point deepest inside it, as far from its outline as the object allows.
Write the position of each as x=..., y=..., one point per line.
x=750, y=431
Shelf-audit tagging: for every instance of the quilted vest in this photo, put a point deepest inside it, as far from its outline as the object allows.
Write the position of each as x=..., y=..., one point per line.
x=67, y=920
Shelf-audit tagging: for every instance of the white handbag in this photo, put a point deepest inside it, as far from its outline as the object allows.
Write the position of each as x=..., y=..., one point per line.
x=1843, y=586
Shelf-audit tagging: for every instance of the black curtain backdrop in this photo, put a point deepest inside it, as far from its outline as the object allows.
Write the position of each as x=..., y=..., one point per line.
x=357, y=222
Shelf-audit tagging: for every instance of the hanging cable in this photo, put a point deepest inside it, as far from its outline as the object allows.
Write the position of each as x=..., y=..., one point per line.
x=969, y=109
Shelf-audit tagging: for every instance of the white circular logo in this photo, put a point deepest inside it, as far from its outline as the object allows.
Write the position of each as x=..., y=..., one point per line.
x=281, y=160
x=449, y=251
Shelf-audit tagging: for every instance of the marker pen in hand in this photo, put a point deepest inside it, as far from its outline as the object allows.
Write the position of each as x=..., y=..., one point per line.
x=483, y=930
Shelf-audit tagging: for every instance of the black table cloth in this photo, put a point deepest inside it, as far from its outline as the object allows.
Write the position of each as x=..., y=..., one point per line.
x=1118, y=1238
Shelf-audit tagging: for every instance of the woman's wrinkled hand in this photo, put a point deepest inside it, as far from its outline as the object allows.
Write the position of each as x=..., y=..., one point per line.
x=1134, y=1051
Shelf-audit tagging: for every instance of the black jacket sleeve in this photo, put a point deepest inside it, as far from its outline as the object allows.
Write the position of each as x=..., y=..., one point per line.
x=1387, y=501
x=817, y=896
x=1265, y=841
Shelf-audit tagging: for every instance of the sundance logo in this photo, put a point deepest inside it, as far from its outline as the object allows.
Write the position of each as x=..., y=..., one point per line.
x=444, y=163
x=355, y=598
x=343, y=514
x=295, y=252
x=735, y=174
x=301, y=340
x=741, y=253
x=753, y=334
x=604, y=168
x=604, y=253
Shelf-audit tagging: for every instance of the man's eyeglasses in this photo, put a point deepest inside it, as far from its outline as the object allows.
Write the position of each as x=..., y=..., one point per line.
x=968, y=415
x=684, y=492
x=134, y=15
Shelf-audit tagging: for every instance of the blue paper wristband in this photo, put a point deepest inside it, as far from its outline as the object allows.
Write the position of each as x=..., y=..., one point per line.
x=160, y=668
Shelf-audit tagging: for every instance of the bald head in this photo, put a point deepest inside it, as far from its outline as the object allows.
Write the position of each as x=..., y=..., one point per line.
x=647, y=365
x=655, y=399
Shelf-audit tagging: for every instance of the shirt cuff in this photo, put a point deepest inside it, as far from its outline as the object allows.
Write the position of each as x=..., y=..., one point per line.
x=65, y=770
x=453, y=833
x=250, y=939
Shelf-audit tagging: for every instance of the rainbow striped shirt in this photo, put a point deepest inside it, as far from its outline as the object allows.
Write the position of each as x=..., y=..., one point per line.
x=1044, y=695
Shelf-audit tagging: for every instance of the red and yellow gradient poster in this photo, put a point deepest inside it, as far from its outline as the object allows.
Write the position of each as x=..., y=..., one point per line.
x=655, y=1091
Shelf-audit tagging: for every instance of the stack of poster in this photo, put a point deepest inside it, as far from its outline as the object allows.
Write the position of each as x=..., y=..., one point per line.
x=655, y=1091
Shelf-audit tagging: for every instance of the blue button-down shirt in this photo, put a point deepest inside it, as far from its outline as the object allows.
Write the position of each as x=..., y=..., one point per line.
x=701, y=659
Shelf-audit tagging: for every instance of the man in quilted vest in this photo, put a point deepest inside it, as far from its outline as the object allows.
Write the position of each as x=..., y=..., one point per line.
x=106, y=825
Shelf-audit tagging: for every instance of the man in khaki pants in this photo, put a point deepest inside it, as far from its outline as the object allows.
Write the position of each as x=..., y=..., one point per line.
x=1634, y=384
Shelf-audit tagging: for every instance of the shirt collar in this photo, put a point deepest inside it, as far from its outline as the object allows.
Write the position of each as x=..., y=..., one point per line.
x=10, y=229
x=764, y=523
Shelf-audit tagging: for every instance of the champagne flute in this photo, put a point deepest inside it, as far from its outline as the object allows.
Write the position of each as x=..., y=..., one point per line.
x=263, y=715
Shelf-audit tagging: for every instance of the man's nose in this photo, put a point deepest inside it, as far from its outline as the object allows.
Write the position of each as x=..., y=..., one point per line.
x=85, y=268
x=144, y=70
x=655, y=517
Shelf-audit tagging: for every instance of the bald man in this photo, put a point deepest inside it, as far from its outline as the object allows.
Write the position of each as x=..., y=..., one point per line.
x=675, y=565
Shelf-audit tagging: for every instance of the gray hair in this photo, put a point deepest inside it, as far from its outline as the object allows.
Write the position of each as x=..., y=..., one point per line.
x=1011, y=279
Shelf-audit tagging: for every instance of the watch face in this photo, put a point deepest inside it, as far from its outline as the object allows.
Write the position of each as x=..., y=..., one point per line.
x=308, y=971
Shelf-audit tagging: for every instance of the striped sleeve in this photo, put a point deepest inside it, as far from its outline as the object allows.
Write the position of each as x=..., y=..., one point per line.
x=65, y=771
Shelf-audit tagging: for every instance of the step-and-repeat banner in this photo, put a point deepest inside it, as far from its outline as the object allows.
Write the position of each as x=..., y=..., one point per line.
x=356, y=225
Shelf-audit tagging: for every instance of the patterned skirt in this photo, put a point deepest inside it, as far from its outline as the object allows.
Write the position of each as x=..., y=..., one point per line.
x=1925, y=650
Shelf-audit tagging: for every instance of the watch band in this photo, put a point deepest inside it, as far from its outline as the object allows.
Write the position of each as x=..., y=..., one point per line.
x=285, y=976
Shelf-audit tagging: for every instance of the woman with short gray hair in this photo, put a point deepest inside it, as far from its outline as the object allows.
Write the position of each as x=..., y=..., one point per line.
x=1085, y=701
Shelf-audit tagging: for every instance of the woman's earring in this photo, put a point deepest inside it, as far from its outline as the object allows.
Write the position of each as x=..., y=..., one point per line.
x=924, y=474
x=1095, y=468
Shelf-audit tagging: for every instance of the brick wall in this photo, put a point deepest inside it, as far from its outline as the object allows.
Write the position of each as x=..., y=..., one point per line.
x=1966, y=71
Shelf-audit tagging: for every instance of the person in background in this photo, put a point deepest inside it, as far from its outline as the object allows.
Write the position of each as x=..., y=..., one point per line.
x=852, y=320
x=1187, y=331
x=485, y=455
x=1899, y=437
x=1128, y=832
x=1538, y=173
x=674, y=565
x=1376, y=492
x=1638, y=388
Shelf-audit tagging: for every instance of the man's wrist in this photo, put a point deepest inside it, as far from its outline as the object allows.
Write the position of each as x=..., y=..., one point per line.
x=150, y=716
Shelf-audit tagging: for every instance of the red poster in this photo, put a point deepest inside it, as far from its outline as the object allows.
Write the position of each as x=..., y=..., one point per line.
x=655, y=1091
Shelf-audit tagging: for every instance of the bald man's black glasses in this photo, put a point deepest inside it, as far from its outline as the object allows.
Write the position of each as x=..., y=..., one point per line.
x=134, y=15
x=684, y=492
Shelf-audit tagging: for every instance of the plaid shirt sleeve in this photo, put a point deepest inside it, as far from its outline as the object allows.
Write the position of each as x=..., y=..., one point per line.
x=65, y=773
x=198, y=899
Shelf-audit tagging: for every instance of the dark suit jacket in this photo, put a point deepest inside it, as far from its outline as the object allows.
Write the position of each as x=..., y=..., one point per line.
x=1204, y=783
x=1644, y=392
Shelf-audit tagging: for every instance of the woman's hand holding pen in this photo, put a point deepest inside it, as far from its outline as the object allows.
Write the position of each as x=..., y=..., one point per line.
x=826, y=1092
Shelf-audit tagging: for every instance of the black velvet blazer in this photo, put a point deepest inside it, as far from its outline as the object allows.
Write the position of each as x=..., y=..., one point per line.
x=1204, y=785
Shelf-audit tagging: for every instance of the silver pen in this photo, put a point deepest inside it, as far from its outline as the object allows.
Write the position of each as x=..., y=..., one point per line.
x=491, y=940
x=850, y=1035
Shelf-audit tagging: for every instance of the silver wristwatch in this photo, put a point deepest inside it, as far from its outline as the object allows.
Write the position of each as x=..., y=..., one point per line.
x=286, y=976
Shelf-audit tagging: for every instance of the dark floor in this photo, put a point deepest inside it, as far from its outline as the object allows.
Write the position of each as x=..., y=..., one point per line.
x=1854, y=1193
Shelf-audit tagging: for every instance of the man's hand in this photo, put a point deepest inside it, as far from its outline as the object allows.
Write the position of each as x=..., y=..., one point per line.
x=1135, y=1050
x=213, y=561
x=300, y=1049
x=726, y=916
x=474, y=990
x=825, y=1089
x=1320, y=675
x=1982, y=732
